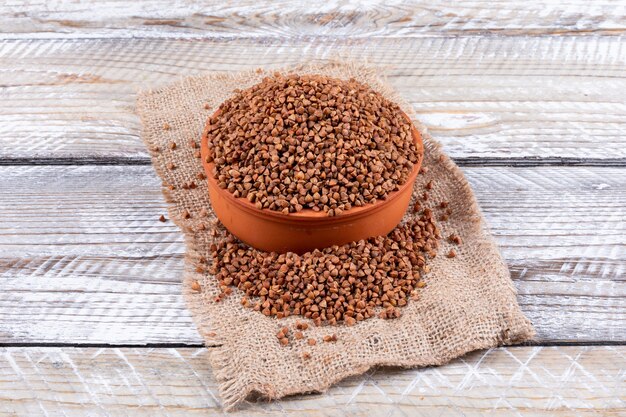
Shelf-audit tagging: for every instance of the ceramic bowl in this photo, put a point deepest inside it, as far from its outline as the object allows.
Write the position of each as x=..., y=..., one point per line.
x=306, y=230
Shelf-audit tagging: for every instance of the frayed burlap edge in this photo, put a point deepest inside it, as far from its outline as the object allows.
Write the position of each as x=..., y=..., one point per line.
x=235, y=383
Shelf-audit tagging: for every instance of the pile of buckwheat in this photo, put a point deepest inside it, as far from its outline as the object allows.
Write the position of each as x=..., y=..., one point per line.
x=310, y=142
x=346, y=283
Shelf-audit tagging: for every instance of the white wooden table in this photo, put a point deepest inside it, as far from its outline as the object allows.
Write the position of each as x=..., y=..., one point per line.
x=528, y=98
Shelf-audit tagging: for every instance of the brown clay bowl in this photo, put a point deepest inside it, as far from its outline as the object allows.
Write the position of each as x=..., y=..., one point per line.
x=306, y=230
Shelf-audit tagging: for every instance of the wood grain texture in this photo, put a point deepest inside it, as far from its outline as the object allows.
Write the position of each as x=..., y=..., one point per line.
x=482, y=97
x=528, y=381
x=84, y=259
x=333, y=18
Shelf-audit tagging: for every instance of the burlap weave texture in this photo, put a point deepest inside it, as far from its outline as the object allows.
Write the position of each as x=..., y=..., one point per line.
x=469, y=302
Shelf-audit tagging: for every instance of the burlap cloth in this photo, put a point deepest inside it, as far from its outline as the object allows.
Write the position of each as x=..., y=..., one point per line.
x=469, y=302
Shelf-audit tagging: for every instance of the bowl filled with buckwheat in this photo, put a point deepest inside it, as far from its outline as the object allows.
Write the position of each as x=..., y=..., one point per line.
x=299, y=162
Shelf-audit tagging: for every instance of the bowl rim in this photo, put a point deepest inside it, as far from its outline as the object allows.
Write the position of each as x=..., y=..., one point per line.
x=309, y=215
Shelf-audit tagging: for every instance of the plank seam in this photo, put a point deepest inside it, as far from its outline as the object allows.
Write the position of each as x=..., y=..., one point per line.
x=469, y=34
x=464, y=161
x=200, y=345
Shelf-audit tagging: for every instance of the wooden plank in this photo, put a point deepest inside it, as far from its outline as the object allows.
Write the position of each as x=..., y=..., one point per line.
x=85, y=260
x=288, y=18
x=487, y=97
x=529, y=381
